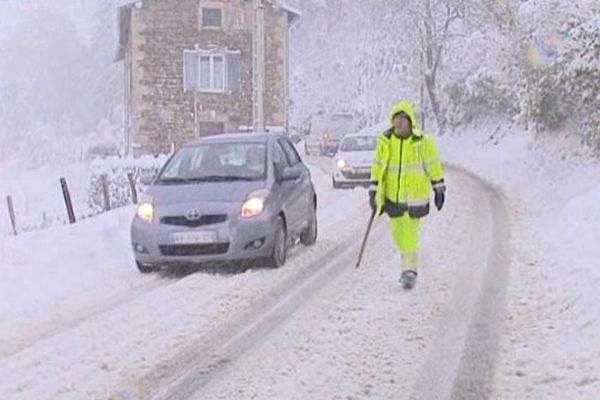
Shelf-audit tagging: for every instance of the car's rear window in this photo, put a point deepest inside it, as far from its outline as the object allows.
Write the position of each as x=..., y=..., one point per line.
x=216, y=162
x=359, y=143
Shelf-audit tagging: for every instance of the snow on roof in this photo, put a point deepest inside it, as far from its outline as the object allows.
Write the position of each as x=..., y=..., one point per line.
x=286, y=5
x=124, y=16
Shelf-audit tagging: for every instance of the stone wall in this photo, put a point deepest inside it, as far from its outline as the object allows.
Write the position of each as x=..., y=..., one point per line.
x=162, y=113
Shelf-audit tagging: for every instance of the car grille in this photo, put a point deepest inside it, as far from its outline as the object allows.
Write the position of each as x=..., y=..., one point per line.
x=194, y=249
x=365, y=176
x=181, y=220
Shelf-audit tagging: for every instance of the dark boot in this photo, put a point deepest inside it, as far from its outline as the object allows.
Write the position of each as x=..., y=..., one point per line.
x=408, y=279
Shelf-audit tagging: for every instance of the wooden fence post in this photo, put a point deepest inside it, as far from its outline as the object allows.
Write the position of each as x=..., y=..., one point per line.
x=67, y=197
x=105, y=192
x=11, y=213
x=134, y=196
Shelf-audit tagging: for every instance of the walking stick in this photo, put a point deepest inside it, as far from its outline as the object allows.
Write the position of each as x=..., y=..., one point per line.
x=364, y=242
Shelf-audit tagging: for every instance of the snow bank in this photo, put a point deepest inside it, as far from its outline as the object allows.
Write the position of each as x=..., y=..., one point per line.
x=551, y=344
x=38, y=198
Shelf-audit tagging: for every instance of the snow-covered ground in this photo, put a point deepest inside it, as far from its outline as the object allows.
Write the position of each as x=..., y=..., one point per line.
x=73, y=303
x=37, y=194
x=551, y=344
x=53, y=277
x=78, y=321
x=363, y=336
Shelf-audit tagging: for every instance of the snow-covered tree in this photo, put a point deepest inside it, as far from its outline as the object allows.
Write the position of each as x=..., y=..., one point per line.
x=60, y=90
x=475, y=59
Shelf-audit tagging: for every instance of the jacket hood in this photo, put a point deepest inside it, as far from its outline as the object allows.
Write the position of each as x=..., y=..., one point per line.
x=406, y=107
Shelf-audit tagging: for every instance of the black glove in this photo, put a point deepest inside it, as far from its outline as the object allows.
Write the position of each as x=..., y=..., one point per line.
x=372, y=201
x=440, y=197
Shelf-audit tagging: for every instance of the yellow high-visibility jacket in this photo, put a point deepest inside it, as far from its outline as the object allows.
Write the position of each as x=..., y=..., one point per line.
x=405, y=170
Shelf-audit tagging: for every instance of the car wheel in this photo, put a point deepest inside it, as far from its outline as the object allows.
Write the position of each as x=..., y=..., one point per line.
x=279, y=253
x=309, y=236
x=145, y=269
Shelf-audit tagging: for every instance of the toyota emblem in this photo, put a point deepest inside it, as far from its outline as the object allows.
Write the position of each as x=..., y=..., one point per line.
x=193, y=214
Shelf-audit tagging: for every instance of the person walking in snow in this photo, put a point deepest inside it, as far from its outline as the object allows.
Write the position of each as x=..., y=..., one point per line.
x=405, y=170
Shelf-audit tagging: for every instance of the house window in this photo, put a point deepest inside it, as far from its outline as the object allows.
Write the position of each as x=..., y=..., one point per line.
x=212, y=73
x=212, y=18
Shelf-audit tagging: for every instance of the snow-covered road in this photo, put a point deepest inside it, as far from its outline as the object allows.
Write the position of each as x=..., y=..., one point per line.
x=363, y=337
x=316, y=328
x=78, y=321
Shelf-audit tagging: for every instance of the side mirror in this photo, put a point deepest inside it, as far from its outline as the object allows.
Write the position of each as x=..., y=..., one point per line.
x=291, y=174
x=147, y=180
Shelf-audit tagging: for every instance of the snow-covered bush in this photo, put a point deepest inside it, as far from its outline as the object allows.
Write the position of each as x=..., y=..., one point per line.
x=565, y=92
x=116, y=172
x=480, y=97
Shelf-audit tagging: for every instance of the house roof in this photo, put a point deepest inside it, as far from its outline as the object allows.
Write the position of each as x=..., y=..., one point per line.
x=124, y=19
x=285, y=5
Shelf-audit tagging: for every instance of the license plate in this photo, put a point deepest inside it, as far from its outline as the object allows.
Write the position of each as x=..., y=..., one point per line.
x=200, y=237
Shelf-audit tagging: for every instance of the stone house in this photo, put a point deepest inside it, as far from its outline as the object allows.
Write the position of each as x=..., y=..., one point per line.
x=190, y=68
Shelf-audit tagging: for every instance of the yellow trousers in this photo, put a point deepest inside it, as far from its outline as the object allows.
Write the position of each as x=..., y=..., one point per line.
x=405, y=231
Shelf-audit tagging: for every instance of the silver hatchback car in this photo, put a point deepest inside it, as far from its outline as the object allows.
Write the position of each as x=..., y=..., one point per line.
x=229, y=197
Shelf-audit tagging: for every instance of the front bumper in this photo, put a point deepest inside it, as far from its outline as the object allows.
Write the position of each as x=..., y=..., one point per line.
x=235, y=239
x=357, y=176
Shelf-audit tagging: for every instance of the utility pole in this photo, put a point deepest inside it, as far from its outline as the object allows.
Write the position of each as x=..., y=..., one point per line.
x=126, y=108
x=258, y=67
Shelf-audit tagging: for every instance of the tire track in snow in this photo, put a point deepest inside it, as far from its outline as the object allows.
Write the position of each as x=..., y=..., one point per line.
x=51, y=329
x=461, y=363
x=193, y=368
x=477, y=367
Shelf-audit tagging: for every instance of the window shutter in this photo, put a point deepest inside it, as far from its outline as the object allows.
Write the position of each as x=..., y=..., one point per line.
x=233, y=72
x=190, y=71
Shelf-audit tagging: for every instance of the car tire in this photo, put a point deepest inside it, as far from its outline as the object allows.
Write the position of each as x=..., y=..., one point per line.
x=309, y=236
x=145, y=269
x=279, y=253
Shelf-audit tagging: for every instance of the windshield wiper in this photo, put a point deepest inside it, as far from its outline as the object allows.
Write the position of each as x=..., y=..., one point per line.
x=208, y=178
x=241, y=178
x=217, y=178
x=171, y=180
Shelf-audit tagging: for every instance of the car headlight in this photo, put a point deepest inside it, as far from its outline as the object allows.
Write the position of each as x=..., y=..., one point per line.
x=145, y=212
x=341, y=163
x=254, y=204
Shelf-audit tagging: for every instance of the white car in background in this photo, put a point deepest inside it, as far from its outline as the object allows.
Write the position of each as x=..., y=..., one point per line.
x=352, y=162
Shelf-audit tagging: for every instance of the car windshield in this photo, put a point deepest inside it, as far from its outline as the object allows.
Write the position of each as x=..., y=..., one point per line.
x=359, y=143
x=212, y=162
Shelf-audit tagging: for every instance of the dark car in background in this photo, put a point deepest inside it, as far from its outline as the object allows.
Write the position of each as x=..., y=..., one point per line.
x=326, y=131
